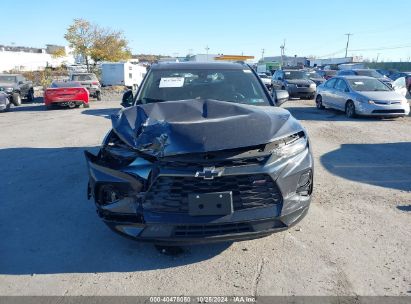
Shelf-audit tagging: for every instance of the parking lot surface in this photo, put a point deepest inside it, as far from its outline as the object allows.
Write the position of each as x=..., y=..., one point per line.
x=355, y=239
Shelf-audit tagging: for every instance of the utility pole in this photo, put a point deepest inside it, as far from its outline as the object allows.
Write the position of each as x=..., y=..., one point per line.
x=282, y=47
x=207, y=48
x=262, y=54
x=378, y=55
x=348, y=42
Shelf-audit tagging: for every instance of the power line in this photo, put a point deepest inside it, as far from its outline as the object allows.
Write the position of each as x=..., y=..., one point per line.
x=382, y=48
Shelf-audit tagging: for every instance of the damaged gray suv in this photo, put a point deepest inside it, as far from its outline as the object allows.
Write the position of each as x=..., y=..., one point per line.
x=201, y=154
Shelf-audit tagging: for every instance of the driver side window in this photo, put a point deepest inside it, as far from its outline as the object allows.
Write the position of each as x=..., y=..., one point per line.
x=330, y=83
x=341, y=85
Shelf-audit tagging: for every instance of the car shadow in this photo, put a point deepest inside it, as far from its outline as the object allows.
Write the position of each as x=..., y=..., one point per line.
x=404, y=208
x=387, y=165
x=48, y=226
x=312, y=113
x=106, y=113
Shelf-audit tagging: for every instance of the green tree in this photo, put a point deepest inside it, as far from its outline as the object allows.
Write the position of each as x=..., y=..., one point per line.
x=94, y=42
x=109, y=45
x=80, y=36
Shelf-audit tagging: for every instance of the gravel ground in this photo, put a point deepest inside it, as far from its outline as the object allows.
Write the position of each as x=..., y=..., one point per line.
x=355, y=239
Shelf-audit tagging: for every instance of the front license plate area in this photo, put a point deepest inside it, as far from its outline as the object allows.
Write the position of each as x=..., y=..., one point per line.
x=215, y=203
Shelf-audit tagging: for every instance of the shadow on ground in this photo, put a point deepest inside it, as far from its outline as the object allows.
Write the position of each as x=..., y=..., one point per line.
x=106, y=113
x=386, y=165
x=48, y=226
x=404, y=208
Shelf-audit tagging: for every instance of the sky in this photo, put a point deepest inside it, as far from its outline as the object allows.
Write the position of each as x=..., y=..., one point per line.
x=381, y=29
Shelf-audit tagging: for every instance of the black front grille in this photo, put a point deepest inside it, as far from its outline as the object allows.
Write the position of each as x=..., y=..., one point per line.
x=218, y=163
x=389, y=111
x=170, y=193
x=211, y=230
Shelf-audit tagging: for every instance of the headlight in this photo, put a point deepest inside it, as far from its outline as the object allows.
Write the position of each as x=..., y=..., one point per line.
x=371, y=102
x=288, y=146
x=292, y=85
x=313, y=85
x=9, y=89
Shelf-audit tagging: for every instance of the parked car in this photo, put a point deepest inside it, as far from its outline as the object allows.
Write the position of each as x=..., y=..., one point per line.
x=402, y=86
x=16, y=86
x=316, y=77
x=265, y=79
x=366, y=72
x=201, y=155
x=90, y=82
x=395, y=76
x=5, y=103
x=361, y=95
x=296, y=82
x=67, y=94
x=388, y=73
x=327, y=74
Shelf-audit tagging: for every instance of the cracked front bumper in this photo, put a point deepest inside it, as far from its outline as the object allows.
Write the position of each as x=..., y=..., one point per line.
x=128, y=217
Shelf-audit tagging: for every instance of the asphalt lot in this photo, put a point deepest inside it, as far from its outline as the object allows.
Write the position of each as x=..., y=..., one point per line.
x=355, y=239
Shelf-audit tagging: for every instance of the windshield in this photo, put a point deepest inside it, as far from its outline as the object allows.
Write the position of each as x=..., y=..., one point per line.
x=84, y=77
x=369, y=73
x=314, y=75
x=239, y=86
x=7, y=78
x=68, y=84
x=295, y=75
x=367, y=85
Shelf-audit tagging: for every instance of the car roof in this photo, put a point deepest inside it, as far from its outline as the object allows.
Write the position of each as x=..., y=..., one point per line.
x=198, y=65
x=354, y=77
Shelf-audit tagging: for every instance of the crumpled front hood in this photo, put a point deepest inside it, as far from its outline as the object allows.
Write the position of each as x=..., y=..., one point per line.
x=194, y=126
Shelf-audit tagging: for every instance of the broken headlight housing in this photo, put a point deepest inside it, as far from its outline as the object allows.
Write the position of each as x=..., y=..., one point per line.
x=115, y=153
x=288, y=146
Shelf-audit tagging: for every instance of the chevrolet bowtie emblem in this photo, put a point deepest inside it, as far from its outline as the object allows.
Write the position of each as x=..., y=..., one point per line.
x=209, y=173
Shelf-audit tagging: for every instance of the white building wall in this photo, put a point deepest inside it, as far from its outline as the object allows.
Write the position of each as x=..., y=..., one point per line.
x=24, y=61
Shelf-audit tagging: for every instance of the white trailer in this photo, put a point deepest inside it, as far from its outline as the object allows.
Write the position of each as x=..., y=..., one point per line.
x=122, y=73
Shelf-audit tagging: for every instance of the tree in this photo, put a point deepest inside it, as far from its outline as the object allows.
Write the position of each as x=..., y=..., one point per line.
x=109, y=45
x=61, y=52
x=94, y=42
x=80, y=36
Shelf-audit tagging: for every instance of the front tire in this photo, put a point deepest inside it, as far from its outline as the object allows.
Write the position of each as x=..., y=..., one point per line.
x=8, y=106
x=319, y=102
x=350, y=109
x=98, y=95
x=16, y=99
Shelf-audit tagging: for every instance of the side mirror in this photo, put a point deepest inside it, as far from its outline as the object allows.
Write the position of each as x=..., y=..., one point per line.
x=280, y=78
x=127, y=100
x=21, y=82
x=280, y=96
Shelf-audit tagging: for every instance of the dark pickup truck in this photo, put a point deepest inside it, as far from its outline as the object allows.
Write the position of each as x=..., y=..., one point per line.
x=16, y=87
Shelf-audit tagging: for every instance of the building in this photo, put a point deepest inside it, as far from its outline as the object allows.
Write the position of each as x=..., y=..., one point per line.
x=286, y=61
x=335, y=61
x=20, y=58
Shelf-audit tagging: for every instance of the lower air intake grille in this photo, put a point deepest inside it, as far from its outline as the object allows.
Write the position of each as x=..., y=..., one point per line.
x=170, y=193
x=389, y=111
x=211, y=230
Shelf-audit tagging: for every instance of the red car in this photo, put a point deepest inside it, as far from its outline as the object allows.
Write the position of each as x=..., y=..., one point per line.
x=68, y=94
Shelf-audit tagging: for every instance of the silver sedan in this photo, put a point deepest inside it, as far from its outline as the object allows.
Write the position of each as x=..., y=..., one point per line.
x=360, y=95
